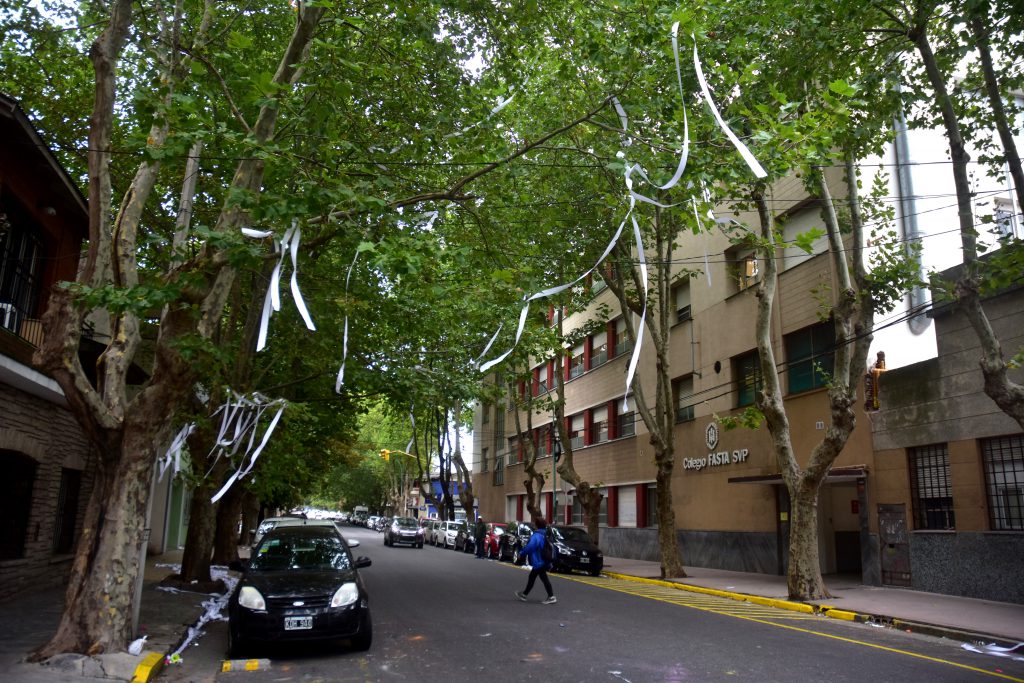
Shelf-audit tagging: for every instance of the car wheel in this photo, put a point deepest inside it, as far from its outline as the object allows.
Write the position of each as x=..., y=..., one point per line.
x=363, y=641
x=595, y=572
x=420, y=544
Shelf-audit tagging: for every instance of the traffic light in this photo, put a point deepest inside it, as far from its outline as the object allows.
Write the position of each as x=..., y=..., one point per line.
x=385, y=453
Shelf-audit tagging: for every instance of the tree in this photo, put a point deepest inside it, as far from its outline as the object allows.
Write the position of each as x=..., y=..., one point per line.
x=919, y=23
x=183, y=87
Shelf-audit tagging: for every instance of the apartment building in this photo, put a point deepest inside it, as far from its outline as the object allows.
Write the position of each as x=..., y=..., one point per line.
x=47, y=463
x=731, y=507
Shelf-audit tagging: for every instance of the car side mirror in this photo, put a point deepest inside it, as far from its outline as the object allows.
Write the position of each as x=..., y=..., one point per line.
x=363, y=561
x=237, y=566
x=353, y=543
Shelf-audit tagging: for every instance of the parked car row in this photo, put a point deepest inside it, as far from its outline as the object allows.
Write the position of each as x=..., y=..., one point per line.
x=504, y=541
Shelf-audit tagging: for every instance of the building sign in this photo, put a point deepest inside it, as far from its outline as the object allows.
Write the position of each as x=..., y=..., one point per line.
x=715, y=458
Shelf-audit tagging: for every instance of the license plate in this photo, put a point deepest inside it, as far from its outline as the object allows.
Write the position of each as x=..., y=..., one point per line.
x=297, y=623
x=584, y=560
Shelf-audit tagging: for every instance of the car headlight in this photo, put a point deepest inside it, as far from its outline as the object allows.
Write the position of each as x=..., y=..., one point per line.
x=419, y=532
x=346, y=595
x=251, y=598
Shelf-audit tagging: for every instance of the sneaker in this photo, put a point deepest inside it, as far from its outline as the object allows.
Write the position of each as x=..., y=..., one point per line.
x=551, y=600
x=521, y=596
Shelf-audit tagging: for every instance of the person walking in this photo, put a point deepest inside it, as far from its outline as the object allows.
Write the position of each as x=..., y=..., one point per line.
x=538, y=566
x=479, y=534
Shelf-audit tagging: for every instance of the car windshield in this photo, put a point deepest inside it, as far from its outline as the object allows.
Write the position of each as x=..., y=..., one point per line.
x=305, y=552
x=571, y=534
x=406, y=523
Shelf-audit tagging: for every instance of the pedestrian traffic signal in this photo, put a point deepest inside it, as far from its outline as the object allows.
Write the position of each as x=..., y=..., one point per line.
x=385, y=453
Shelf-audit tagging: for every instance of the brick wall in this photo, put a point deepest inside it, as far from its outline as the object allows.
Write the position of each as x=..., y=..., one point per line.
x=48, y=434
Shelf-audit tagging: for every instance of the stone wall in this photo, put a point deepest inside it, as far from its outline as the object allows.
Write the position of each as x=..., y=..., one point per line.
x=971, y=564
x=732, y=550
x=50, y=435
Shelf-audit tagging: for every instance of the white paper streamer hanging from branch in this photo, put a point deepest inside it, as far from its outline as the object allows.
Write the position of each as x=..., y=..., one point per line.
x=344, y=340
x=240, y=418
x=289, y=244
x=173, y=453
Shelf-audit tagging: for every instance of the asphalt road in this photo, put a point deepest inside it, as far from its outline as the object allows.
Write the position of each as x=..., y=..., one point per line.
x=444, y=616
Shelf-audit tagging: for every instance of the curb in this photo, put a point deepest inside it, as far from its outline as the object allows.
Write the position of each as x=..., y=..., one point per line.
x=832, y=612
x=244, y=665
x=151, y=665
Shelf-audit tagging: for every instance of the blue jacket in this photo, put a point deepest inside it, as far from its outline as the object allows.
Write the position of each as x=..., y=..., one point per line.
x=533, y=549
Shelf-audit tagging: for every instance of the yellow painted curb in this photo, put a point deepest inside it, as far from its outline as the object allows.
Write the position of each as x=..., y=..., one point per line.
x=840, y=614
x=742, y=597
x=150, y=666
x=245, y=665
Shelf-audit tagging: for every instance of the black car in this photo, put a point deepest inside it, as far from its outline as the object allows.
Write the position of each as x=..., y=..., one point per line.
x=300, y=584
x=515, y=538
x=465, y=537
x=574, y=550
x=404, y=530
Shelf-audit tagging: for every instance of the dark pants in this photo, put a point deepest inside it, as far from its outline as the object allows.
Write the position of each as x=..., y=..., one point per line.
x=480, y=548
x=543, y=574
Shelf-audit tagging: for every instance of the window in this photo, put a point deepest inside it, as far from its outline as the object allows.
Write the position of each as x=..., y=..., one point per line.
x=485, y=416
x=627, y=419
x=483, y=459
x=599, y=425
x=798, y=223
x=742, y=265
x=747, y=371
x=1003, y=458
x=513, y=450
x=15, y=502
x=499, y=471
x=602, y=515
x=542, y=379
x=930, y=487
x=810, y=356
x=576, y=431
x=544, y=445
x=623, y=344
x=599, y=349
x=21, y=254
x=681, y=297
x=1005, y=217
x=684, y=399
x=627, y=506
x=67, y=510
x=652, y=505
x=577, y=511
x=576, y=361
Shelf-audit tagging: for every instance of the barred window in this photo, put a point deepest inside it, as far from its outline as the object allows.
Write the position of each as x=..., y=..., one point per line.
x=930, y=487
x=652, y=505
x=1004, y=481
x=499, y=471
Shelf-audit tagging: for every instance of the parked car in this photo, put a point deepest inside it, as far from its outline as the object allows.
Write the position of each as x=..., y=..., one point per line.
x=404, y=530
x=517, y=534
x=492, y=539
x=574, y=550
x=446, y=532
x=301, y=584
x=465, y=539
x=432, y=532
x=271, y=523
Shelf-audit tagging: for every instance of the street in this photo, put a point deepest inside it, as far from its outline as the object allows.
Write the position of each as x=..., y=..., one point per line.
x=442, y=615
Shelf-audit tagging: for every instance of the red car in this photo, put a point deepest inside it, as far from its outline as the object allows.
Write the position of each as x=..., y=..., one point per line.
x=492, y=540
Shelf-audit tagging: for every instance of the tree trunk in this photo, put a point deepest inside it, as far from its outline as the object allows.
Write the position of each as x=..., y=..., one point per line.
x=97, y=614
x=671, y=562
x=225, y=545
x=804, y=577
x=202, y=526
x=250, y=517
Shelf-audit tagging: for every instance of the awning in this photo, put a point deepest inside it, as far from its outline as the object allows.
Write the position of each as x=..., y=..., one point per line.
x=835, y=476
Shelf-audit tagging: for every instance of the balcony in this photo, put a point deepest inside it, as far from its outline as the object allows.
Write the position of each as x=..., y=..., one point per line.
x=19, y=336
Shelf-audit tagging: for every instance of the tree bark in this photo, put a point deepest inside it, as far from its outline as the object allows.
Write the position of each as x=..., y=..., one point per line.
x=229, y=512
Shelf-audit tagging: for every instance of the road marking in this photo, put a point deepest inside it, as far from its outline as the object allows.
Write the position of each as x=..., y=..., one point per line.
x=756, y=613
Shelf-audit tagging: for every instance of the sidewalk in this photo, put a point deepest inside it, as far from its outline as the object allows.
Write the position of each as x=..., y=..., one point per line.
x=165, y=617
x=946, y=616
